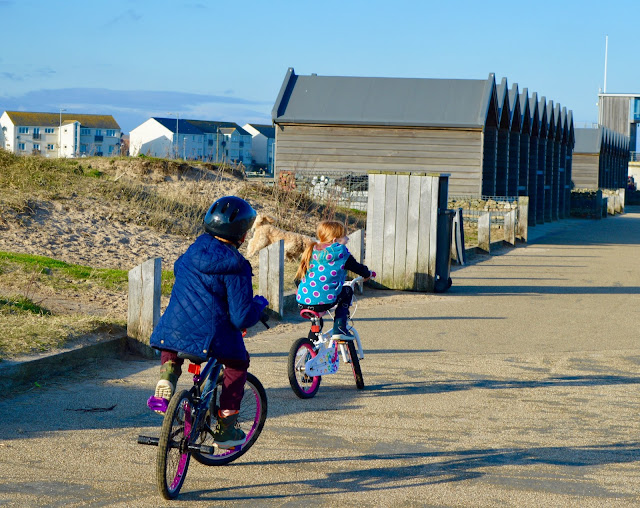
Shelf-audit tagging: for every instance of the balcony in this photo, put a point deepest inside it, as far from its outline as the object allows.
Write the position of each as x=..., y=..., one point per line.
x=99, y=139
x=36, y=135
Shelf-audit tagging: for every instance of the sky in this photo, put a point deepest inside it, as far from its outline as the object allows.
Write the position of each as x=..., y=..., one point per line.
x=226, y=61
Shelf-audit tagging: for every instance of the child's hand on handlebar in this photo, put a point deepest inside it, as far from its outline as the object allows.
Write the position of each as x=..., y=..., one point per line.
x=261, y=301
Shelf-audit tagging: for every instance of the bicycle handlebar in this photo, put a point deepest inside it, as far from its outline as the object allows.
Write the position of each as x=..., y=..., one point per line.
x=358, y=279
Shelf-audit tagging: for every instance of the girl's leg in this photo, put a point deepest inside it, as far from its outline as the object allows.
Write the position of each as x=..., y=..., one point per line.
x=342, y=313
x=344, y=302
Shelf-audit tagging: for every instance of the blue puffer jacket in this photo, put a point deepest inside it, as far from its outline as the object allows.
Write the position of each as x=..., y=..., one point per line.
x=211, y=301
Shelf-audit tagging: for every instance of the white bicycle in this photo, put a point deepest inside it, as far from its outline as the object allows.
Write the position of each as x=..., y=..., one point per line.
x=319, y=354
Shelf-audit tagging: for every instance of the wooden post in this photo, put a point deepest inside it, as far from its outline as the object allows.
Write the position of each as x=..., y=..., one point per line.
x=271, y=276
x=510, y=227
x=356, y=247
x=522, y=228
x=143, y=311
x=484, y=232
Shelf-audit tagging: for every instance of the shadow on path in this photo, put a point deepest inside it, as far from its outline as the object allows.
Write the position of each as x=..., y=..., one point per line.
x=428, y=468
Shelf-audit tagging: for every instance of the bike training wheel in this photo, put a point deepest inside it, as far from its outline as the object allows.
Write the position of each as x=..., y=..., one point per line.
x=301, y=352
x=253, y=413
x=173, y=454
x=355, y=364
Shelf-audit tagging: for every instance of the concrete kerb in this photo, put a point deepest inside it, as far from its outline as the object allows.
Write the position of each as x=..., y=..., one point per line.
x=24, y=372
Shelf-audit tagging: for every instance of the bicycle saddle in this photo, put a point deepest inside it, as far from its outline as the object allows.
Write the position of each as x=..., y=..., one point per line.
x=192, y=358
x=310, y=314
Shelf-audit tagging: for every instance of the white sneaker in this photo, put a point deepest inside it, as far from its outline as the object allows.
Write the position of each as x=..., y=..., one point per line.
x=164, y=389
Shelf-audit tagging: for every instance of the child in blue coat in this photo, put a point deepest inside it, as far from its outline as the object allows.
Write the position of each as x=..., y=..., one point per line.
x=211, y=303
x=322, y=272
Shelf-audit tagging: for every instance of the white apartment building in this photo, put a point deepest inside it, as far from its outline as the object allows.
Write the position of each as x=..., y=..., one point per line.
x=191, y=139
x=262, y=144
x=59, y=134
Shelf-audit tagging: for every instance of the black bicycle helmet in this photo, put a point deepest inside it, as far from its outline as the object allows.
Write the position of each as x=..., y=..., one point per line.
x=230, y=218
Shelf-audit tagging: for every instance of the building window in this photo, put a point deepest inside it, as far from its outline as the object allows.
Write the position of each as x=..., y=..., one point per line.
x=83, y=148
x=85, y=132
x=49, y=147
x=98, y=132
x=49, y=130
x=23, y=130
x=110, y=147
x=636, y=109
x=111, y=132
x=36, y=146
x=20, y=146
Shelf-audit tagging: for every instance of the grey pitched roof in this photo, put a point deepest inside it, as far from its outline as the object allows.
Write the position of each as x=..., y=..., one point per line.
x=213, y=127
x=504, y=108
x=184, y=126
x=384, y=101
x=268, y=131
x=26, y=118
x=525, y=111
x=588, y=140
x=198, y=127
x=514, y=104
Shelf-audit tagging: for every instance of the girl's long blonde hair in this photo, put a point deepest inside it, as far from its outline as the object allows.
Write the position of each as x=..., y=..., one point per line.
x=326, y=232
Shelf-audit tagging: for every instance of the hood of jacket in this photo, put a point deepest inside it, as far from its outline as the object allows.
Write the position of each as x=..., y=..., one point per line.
x=212, y=256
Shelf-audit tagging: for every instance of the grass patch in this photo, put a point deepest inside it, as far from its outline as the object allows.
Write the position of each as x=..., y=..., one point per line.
x=23, y=331
x=61, y=275
x=22, y=304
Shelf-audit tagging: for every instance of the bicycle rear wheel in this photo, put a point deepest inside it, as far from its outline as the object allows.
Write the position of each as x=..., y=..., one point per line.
x=301, y=352
x=355, y=364
x=172, y=460
x=253, y=413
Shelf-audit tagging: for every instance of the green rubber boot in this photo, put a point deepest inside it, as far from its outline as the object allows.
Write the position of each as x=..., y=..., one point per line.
x=227, y=433
x=169, y=374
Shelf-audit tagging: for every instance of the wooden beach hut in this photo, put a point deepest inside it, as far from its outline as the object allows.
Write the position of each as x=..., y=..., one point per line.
x=525, y=143
x=515, y=133
x=362, y=124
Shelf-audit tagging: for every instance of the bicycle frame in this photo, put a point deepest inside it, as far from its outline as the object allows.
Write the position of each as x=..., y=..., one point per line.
x=204, y=383
x=326, y=360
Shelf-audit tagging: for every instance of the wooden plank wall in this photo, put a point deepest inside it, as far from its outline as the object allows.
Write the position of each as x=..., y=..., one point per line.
x=316, y=148
x=402, y=217
x=584, y=170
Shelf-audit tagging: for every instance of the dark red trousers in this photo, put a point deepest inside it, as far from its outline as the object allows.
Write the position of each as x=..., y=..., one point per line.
x=235, y=375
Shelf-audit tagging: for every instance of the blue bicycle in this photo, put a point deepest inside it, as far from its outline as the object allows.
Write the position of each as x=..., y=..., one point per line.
x=189, y=421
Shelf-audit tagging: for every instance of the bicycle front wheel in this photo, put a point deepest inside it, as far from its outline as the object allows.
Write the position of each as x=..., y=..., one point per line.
x=301, y=352
x=253, y=413
x=355, y=364
x=173, y=456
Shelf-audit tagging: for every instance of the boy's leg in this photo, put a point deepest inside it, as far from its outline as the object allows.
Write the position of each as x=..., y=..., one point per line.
x=227, y=434
x=235, y=376
x=170, y=370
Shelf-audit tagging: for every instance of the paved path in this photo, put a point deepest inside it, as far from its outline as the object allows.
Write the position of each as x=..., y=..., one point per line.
x=518, y=387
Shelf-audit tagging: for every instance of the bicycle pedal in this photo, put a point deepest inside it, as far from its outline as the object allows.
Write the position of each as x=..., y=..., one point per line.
x=158, y=404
